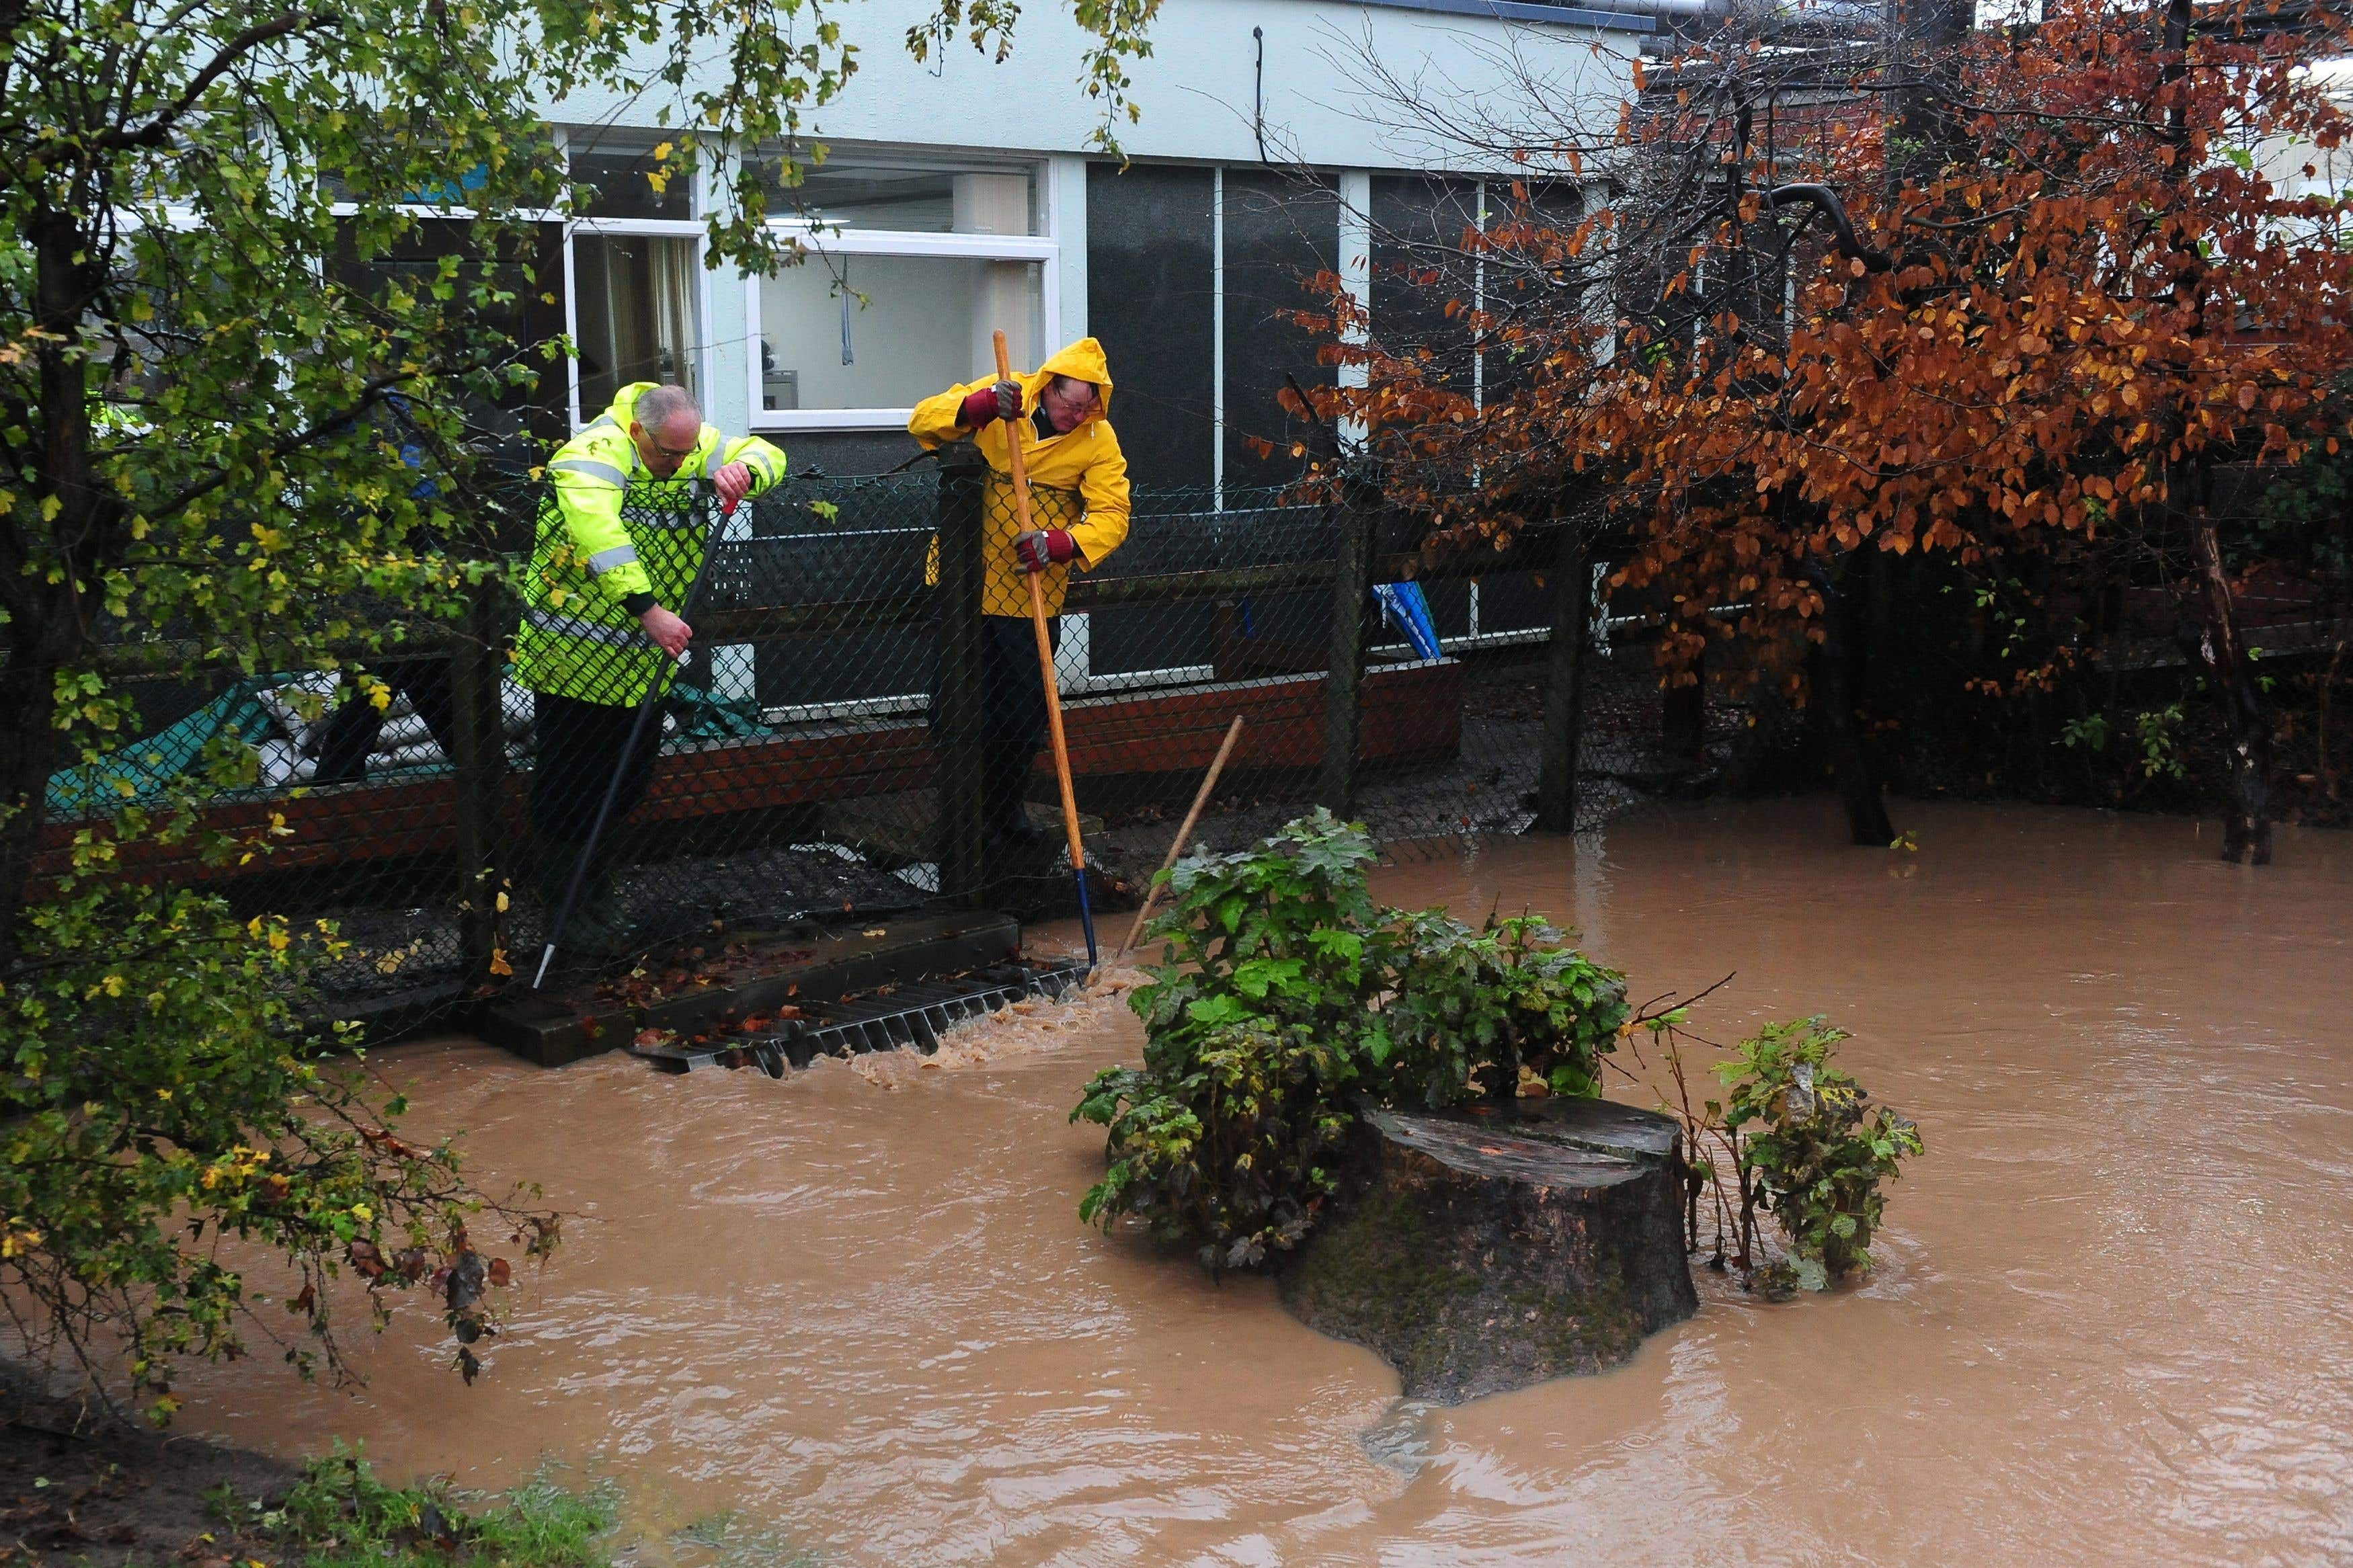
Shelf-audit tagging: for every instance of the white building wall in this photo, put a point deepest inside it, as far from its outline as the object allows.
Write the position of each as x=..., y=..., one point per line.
x=1200, y=93
x=1196, y=89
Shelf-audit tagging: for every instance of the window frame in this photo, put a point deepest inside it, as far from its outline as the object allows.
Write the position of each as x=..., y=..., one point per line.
x=823, y=240
x=655, y=227
x=695, y=227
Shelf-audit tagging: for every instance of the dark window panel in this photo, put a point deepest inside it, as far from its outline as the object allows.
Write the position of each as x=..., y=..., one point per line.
x=1149, y=278
x=844, y=666
x=615, y=172
x=1421, y=259
x=1514, y=602
x=1279, y=234
x=1528, y=220
x=1124, y=638
x=529, y=265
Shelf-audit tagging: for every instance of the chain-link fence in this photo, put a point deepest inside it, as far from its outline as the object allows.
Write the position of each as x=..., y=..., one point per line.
x=859, y=727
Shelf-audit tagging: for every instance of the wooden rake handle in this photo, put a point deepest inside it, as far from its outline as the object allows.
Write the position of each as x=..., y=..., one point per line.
x=1013, y=439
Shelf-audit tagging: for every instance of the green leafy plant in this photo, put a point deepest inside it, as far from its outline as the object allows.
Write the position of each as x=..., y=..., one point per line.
x=1280, y=932
x=1287, y=1002
x=1500, y=1001
x=2089, y=732
x=1794, y=1137
x=1233, y=1147
x=2158, y=731
x=339, y=1515
x=1814, y=1148
x=163, y=1094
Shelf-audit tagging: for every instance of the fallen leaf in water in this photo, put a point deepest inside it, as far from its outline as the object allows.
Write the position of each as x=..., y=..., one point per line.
x=648, y=1039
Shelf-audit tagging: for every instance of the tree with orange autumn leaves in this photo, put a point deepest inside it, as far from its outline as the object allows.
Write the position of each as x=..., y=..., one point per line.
x=2009, y=297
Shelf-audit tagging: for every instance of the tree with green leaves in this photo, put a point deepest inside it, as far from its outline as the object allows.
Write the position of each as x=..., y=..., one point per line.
x=201, y=366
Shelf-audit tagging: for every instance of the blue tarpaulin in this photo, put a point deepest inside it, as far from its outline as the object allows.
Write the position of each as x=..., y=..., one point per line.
x=1404, y=606
x=145, y=772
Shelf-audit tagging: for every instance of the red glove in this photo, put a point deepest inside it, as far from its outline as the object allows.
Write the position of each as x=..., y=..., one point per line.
x=1002, y=401
x=1041, y=546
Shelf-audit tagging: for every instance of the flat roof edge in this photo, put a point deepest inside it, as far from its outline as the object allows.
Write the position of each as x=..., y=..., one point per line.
x=1522, y=11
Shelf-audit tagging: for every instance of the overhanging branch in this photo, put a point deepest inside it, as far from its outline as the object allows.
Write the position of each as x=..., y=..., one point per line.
x=158, y=129
x=1824, y=200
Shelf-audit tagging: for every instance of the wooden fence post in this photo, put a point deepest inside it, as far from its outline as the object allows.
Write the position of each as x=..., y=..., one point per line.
x=1343, y=685
x=957, y=715
x=1683, y=719
x=478, y=744
x=1563, y=710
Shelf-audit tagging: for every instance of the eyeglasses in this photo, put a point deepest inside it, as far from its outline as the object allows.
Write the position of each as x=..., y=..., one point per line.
x=672, y=453
x=1080, y=400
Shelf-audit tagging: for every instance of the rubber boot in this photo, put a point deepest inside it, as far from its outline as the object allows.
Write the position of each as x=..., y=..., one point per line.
x=597, y=928
x=1005, y=779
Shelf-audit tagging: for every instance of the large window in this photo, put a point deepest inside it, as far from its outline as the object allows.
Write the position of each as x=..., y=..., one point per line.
x=635, y=261
x=510, y=428
x=912, y=264
x=635, y=312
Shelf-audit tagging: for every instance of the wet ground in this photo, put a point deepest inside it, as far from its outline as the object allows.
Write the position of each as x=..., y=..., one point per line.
x=857, y=1308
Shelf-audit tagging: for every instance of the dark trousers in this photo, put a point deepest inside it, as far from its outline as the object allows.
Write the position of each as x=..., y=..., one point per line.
x=578, y=745
x=1012, y=712
x=353, y=729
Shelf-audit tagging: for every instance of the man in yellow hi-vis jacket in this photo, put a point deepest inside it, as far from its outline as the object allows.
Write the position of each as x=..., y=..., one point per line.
x=599, y=623
x=1079, y=509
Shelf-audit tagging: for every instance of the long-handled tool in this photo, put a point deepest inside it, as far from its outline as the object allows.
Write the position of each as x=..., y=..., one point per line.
x=1046, y=665
x=655, y=690
x=1184, y=831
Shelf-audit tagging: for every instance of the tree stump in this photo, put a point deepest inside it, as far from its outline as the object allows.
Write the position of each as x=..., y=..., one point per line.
x=1478, y=1254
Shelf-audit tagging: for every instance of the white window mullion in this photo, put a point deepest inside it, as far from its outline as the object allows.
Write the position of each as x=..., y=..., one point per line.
x=1218, y=338
x=1357, y=279
x=1479, y=304
x=572, y=332
x=895, y=242
x=667, y=227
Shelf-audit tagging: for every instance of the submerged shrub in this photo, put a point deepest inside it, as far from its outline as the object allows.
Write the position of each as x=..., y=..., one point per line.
x=164, y=1093
x=1814, y=1147
x=341, y=1514
x=1233, y=1149
x=1287, y=1003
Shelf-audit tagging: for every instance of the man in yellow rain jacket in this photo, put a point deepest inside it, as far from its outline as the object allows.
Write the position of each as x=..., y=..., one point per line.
x=1078, y=507
x=600, y=622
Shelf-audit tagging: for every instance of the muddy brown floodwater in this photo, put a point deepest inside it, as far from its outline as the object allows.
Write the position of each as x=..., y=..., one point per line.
x=2109, y=1325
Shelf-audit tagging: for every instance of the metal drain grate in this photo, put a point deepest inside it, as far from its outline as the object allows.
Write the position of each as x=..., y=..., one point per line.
x=914, y=1014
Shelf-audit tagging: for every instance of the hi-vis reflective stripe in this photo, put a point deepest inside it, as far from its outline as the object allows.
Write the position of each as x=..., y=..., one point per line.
x=604, y=560
x=717, y=461
x=587, y=631
x=765, y=464
x=593, y=468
